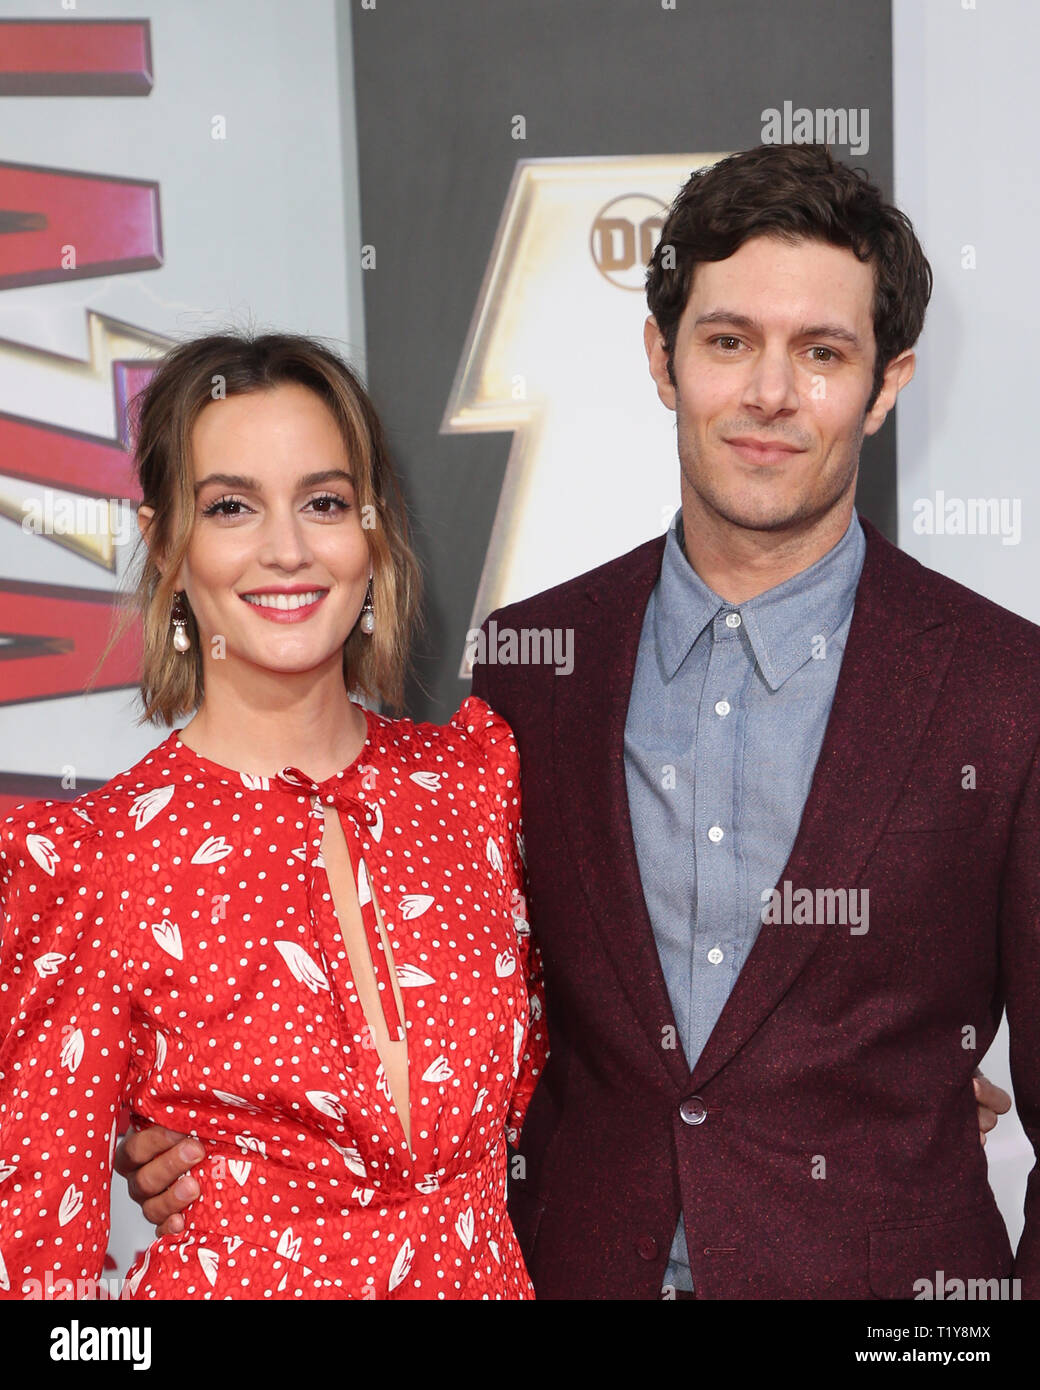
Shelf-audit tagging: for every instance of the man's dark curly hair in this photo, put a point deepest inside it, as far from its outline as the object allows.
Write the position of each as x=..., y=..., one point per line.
x=795, y=192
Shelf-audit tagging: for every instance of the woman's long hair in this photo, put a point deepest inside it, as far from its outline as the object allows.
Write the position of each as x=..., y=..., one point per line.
x=188, y=379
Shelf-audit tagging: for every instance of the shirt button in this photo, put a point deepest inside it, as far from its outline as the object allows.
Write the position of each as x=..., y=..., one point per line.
x=722, y=708
x=647, y=1247
x=693, y=1111
x=715, y=834
x=732, y=619
x=715, y=955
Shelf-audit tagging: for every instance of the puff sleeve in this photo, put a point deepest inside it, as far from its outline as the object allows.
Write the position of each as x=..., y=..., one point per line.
x=64, y=1050
x=494, y=737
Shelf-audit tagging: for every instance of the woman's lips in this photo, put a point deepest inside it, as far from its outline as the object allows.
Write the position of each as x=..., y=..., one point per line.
x=285, y=608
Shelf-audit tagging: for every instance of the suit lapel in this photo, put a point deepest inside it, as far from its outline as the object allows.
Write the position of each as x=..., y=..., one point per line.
x=895, y=661
x=896, y=658
x=590, y=709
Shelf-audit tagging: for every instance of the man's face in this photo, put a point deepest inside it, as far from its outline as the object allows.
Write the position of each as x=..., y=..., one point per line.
x=773, y=365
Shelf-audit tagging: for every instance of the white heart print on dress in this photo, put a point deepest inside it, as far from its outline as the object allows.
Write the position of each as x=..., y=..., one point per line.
x=42, y=850
x=148, y=806
x=168, y=936
x=302, y=966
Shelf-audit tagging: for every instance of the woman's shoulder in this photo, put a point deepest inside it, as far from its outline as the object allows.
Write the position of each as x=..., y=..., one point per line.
x=474, y=732
x=474, y=750
x=40, y=832
x=42, y=837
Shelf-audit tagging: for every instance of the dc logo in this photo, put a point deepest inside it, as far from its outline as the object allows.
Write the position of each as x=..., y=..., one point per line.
x=623, y=238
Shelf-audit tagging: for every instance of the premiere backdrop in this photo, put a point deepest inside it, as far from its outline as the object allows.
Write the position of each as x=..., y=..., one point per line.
x=461, y=197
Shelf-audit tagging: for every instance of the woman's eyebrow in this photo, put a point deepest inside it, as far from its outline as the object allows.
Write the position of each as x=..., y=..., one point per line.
x=326, y=475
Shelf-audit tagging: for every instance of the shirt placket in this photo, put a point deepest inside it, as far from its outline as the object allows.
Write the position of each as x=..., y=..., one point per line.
x=720, y=726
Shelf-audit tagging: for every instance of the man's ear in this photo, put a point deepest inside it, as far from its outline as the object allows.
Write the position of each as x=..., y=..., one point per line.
x=657, y=357
x=897, y=375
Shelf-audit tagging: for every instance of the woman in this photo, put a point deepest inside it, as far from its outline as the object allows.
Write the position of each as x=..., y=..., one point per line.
x=295, y=929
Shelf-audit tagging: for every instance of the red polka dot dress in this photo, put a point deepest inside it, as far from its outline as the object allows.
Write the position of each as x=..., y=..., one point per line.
x=170, y=941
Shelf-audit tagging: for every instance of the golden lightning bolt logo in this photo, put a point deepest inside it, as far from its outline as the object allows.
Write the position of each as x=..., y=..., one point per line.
x=555, y=355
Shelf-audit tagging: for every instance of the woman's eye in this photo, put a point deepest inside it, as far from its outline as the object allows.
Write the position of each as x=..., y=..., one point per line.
x=329, y=504
x=224, y=506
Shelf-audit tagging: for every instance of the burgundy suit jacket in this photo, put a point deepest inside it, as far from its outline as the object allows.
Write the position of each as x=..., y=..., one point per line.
x=836, y=1151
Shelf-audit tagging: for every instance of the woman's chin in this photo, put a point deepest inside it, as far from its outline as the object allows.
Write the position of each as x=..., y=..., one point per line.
x=288, y=657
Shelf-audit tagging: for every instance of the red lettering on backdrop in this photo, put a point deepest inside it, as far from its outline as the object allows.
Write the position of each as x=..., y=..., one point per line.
x=58, y=224
x=52, y=636
x=66, y=459
x=75, y=58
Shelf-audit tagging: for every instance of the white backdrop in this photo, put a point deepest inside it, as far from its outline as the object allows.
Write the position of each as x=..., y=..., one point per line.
x=965, y=171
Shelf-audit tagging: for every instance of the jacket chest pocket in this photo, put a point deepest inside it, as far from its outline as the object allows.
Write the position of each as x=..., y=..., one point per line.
x=924, y=810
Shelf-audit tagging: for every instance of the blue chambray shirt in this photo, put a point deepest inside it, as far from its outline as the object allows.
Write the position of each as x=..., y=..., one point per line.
x=725, y=722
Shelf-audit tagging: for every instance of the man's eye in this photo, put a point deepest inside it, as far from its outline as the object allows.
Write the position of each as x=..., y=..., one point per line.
x=728, y=343
x=831, y=354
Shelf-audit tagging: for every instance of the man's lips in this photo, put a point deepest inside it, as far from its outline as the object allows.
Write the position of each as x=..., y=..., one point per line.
x=291, y=605
x=763, y=451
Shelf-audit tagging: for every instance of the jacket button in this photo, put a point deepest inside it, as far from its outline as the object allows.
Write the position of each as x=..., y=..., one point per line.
x=693, y=1111
x=647, y=1247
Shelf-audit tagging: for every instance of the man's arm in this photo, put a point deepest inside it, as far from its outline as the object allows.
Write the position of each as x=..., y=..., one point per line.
x=157, y=1162
x=1019, y=973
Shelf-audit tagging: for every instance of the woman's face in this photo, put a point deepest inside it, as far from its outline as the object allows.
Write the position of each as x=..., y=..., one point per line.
x=278, y=563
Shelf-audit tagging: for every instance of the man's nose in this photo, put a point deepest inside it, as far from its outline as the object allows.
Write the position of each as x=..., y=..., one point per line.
x=771, y=384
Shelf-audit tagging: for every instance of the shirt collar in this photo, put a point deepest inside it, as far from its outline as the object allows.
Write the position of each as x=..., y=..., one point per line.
x=783, y=624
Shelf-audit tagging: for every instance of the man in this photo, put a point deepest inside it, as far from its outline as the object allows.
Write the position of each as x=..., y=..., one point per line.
x=783, y=818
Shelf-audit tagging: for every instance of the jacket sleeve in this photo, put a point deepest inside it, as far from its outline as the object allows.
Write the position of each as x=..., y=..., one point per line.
x=1020, y=980
x=481, y=685
x=64, y=1048
x=495, y=739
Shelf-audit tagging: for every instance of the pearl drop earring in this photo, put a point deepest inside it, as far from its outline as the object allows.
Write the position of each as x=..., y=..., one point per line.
x=181, y=640
x=368, y=617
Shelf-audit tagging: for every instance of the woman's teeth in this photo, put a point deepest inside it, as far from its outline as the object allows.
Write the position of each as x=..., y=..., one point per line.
x=285, y=601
